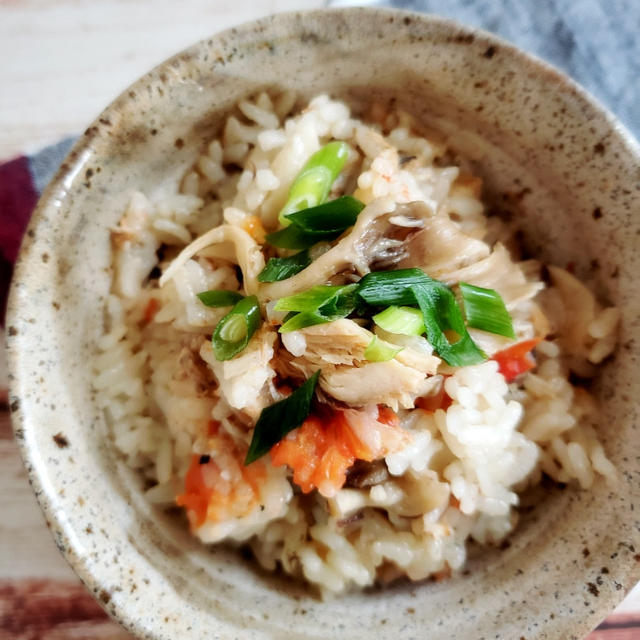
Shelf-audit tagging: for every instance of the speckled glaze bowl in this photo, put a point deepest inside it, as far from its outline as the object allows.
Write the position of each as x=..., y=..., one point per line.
x=546, y=152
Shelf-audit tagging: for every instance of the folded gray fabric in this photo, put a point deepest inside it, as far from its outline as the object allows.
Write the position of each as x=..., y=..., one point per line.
x=596, y=42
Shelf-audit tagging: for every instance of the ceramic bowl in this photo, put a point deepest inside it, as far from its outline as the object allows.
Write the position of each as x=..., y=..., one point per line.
x=546, y=152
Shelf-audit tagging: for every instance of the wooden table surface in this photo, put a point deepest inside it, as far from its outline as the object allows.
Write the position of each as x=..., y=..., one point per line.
x=61, y=62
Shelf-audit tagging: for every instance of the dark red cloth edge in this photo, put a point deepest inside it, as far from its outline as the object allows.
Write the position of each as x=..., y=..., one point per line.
x=18, y=197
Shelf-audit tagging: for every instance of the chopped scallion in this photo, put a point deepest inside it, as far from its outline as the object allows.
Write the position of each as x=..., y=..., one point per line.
x=403, y=320
x=299, y=321
x=384, y=288
x=313, y=183
x=315, y=298
x=485, y=309
x=236, y=328
x=282, y=268
x=317, y=224
x=331, y=217
x=292, y=237
x=380, y=351
x=219, y=298
x=318, y=305
x=442, y=318
x=277, y=420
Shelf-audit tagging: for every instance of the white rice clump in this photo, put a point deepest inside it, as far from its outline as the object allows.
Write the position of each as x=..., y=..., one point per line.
x=167, y=398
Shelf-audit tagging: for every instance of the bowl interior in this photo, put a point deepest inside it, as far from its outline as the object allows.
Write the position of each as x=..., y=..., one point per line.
x=546, y=154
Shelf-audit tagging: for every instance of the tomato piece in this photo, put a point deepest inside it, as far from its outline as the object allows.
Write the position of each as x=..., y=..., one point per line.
x=516, y=360
x=440, y=400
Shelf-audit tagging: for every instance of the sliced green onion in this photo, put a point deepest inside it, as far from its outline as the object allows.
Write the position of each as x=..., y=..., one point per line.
x=384, y=288
x=293, y=238
x=440, y=312
x=317, y=224
x=442, y=316
x=277, y=420
x=331, y=217
x=282, y=268
x=318, y=305
x=236, y=328
x=403, y=320
x=313, y=183
x=485, y=309
x=380, y=351
x=315, y=298
x=219, y=298
x=301, y=320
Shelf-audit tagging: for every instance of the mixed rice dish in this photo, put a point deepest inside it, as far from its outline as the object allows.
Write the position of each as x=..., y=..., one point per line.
x=320, y=346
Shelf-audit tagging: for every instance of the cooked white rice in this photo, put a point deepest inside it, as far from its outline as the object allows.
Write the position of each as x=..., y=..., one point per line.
x=460, y=470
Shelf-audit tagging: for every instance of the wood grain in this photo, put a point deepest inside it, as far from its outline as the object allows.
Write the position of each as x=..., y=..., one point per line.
x=40, y=609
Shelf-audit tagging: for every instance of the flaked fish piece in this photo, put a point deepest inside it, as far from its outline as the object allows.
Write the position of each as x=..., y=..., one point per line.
x=498, y=271
x=391, y=383
x=244, y=381
x=337, y=349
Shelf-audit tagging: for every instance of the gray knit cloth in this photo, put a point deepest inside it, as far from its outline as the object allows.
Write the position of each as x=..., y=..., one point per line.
x=596, y=42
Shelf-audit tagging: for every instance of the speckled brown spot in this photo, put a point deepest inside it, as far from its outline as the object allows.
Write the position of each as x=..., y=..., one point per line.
x=464, y=38
x=60, y=440
x=599, y=148
x=104, y=596
x=490, y=52
x=12, y=331
x=179, y=143
x=592, y=589
x=45, y=257
x=597, y=213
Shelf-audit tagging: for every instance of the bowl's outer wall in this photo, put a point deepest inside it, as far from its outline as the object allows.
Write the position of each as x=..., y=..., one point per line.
x=548, y=155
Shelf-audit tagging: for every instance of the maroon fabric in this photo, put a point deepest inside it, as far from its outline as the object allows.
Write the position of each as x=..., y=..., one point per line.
x=18, y=197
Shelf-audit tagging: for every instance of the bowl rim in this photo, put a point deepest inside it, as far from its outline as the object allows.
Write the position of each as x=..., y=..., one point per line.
x=47, y=497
